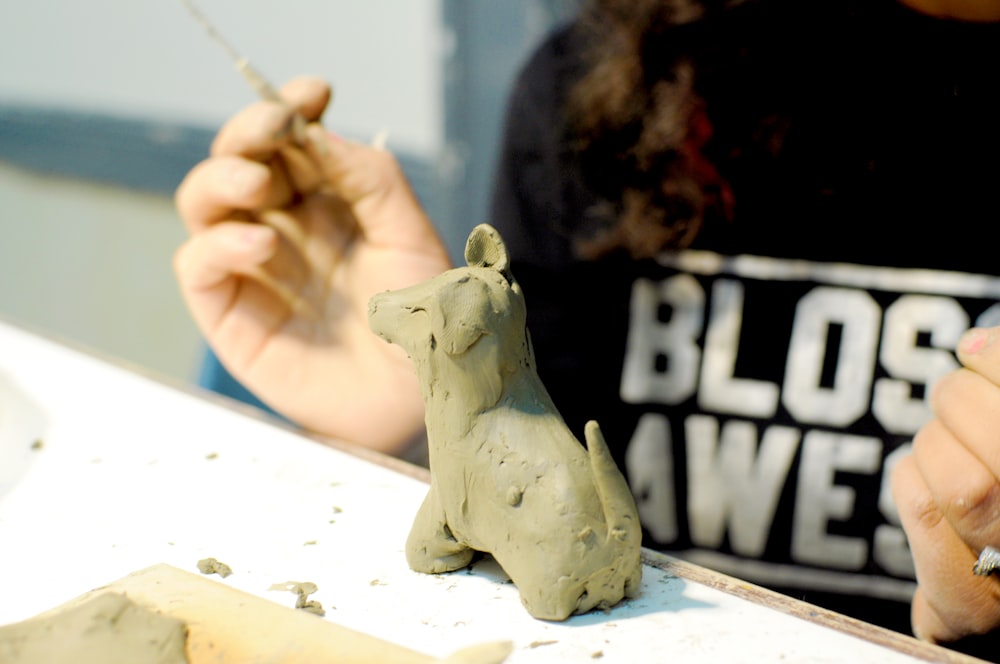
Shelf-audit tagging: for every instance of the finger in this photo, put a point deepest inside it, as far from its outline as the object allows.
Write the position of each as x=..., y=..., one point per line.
x=926, y=624
x=978, y=350
x=964, y=490
x=228, y=248
x=257, y=131
x=289, y=269
x=300, y=170
x=210, y=263
x=232, y=298
x=373, y=184
x=968, y=404
x=955, y=602
x=308, y=95
x=216, y=187
x=354, y=171
x=265, y=126
x=231, y=259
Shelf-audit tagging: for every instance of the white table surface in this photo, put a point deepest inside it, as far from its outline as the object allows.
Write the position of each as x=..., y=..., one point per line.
x=133, y=472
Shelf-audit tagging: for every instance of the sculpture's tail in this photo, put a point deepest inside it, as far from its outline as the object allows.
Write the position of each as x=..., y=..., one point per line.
x=620, y=512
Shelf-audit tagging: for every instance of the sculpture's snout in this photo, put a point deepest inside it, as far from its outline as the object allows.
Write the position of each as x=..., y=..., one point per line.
x=391, y=315
x=378, y=306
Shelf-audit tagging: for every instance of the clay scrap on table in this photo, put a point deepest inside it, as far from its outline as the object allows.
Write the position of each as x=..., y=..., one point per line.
x=213, y=566
x=302, y=591
x=507, y=475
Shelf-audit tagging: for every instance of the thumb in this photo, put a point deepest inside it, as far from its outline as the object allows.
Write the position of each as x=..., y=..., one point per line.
x=371, y=181
x=354, y=171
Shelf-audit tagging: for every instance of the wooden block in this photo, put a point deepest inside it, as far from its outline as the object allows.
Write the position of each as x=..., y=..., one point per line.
x=223, y=625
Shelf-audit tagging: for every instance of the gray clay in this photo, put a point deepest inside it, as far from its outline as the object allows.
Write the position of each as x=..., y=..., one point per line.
x=507, y=475
x=213, y=566
x=303, y=590
x=108, y=628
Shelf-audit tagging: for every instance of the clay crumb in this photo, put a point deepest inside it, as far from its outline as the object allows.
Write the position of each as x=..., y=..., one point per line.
x=303, y=590
x=212, y=455
x=597, y=654
x=310, y=606
x=337, y=510
x=213, y=566
x=539, y=644
x=38, y=444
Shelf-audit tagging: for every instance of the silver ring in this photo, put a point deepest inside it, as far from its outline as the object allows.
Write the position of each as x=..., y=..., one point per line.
x=987, y=563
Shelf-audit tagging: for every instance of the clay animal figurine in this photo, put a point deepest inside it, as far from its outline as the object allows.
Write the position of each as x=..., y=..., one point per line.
x=507, y=475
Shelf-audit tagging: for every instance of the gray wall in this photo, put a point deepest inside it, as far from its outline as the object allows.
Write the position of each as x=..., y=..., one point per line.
x=105, y=104
x=149, y=59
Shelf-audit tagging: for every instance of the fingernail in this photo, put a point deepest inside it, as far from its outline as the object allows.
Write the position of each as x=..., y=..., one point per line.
x=975, y=340
x=254, y=236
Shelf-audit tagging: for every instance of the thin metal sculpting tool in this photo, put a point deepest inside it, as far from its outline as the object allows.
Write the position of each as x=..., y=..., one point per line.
x=261, y=85
x=297, y=131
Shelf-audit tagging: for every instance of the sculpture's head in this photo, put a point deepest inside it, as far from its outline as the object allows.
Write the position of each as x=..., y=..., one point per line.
x=468, y=319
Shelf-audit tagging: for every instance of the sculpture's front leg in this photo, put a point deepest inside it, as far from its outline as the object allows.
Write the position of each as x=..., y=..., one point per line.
x=431, y=548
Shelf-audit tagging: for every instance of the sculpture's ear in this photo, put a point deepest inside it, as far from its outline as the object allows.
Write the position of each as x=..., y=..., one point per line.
x=485, y=248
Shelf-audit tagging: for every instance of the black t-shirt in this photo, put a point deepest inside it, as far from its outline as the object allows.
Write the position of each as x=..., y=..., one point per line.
x=758, y=387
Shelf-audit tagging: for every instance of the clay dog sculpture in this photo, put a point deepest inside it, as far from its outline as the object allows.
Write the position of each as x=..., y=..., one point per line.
x=507, y=475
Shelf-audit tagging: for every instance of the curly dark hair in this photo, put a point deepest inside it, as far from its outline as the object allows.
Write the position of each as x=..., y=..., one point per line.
x=638, y=127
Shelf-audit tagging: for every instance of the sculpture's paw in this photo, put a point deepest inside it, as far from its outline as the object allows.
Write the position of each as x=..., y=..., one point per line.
x=554, y=601
x=634, y=582
x=423, y=560
x=570, y=596
x=546, y=609
x=599, y=601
